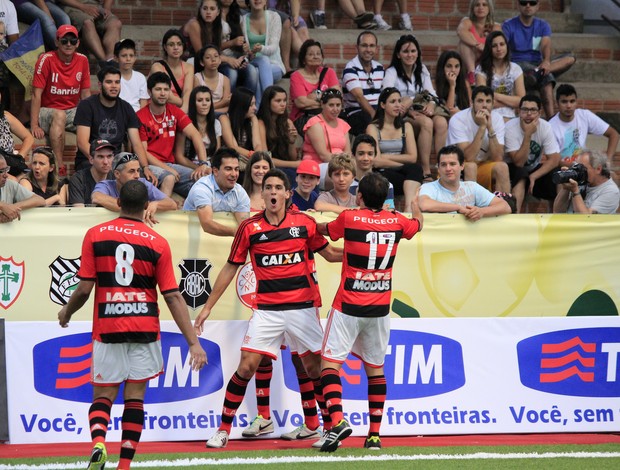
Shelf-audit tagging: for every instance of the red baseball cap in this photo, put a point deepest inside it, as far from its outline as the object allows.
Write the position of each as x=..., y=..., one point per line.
x=309, y=167
x=66, y=29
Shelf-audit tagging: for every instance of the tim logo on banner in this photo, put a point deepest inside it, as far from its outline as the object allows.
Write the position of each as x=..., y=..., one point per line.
x=416, y=365
x=62, y=370
x=581, y=362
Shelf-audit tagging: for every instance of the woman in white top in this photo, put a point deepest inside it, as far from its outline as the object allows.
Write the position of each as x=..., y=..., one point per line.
x=504, y=77
x=262, y=30
x=208, y=75
x=410, y=76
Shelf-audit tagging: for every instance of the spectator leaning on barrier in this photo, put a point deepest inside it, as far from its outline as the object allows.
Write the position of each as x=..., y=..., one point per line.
x=219, y=192
x=13, y=197
x=126, y=167
x=61, y=79
x=588, y=189
x=450, y=194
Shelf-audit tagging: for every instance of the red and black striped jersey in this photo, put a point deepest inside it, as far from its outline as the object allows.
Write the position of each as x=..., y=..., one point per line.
x=370, y=243
x=127, y=260
x=283, y=259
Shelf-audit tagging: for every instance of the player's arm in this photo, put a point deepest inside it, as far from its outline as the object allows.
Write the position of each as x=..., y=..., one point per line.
x=428, y=204
x=322, y=228
x=416, y=213
x=331, y=253
x=224, y=278
x=497, y=207
x=76, y=301
x=178, y=309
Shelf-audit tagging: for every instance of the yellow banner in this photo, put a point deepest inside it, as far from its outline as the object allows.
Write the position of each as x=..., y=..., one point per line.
x=518, y=266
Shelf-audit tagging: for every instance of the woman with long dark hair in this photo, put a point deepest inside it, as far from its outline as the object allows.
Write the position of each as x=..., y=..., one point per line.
x=180, y=72
x=201, y=112
x=43, y=177
x=396, y=150
x=410, y=76
x=277, y=132
x=450, y=79
x=207, y=74
x=503, y=76
x=240, y=125
x=259, y=164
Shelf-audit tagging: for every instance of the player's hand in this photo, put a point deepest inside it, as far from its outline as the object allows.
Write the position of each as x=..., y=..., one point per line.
x=149, y=215
x=90, y=10
x=198, y=357
x=472, y=213
x=37, y=132
x=11, y=212
x=481, y=118
x=200, y=171
x=529, y=128
x=200, y=319
x=545, y=66
x=63, y=318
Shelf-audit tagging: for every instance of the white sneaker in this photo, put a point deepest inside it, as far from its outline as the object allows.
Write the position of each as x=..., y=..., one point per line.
x=218, y=440
x=405, y=23
x=299, y=433
x=381, y=24
x=318, y=444
x=258, y=427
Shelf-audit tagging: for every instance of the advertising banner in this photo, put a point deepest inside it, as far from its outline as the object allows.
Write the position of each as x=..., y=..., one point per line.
x=444, y=376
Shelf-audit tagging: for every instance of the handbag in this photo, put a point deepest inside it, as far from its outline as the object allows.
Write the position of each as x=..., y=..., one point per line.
x=423, y=98
x=301, y=121
x=16, y=162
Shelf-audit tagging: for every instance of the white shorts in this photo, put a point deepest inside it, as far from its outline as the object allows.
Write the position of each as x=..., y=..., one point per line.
x=115, y=363
x=366, y=338
x=267, y=328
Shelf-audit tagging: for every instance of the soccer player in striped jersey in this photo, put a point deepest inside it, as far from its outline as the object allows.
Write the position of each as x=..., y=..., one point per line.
x=359, y=320
x=125, y=260
x=280, y=243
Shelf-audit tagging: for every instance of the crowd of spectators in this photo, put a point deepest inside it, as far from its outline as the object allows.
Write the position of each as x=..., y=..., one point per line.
x=215, y=92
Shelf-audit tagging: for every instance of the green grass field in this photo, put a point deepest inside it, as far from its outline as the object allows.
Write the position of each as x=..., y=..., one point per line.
x=549, y=457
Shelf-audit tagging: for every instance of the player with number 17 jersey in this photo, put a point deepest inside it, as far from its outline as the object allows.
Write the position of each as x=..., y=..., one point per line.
x=371, y=241
x=127, y=260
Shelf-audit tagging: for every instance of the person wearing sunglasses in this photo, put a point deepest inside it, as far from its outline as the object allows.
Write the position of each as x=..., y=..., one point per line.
x=126, y=167
x=14, y=198
x=362, y=80
x=61, y=79
x=529, y=40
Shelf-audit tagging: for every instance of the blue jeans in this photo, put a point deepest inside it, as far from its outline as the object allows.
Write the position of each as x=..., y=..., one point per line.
x=247, y=77
x=268, y=74
x=29, y=12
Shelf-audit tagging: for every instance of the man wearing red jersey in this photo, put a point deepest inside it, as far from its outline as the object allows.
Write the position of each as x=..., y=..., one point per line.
x=280, y=243
x=61, y=79
x=124, y=260
x=359, y=320
x=161, y=122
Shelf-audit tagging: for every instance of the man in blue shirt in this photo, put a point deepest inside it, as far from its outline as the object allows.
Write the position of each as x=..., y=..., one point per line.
x=219, y=192
x=450, y=194
x=529, y=40
x=126, y=167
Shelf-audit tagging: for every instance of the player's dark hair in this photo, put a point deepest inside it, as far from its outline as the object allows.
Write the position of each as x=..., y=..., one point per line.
x=157, y=77
x=133, y=197
x=363, y=139
x=223, y=152
x=449, y=150
x=108, y=70
x=374, y=190
x=277, y=173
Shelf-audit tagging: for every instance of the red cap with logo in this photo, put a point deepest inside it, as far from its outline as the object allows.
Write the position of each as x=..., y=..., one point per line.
x=66, y=29
x=309, y=167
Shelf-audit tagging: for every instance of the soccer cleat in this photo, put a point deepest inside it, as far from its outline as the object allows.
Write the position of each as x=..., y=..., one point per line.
x=318, y=444
x=98, y=457
x=299, y=433
x=372, y=443
x=318, y=19
x=258, y=427
x=218, y=440
x=336, y=434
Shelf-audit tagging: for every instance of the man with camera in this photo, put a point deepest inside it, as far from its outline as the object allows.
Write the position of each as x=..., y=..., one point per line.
x=587, y=187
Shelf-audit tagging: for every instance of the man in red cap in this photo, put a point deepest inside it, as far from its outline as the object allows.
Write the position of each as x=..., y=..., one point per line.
x=61, y=79
x=308, y=176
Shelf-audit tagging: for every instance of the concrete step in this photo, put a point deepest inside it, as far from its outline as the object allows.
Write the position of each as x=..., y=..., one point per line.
x=595, y=71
